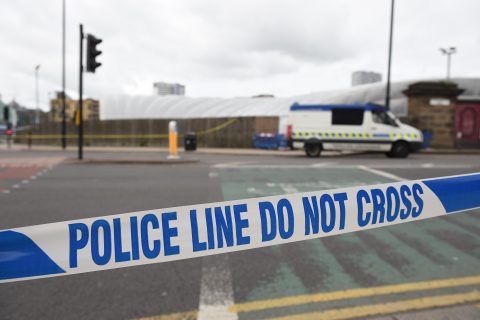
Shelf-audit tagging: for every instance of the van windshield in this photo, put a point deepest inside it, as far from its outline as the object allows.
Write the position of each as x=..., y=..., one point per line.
x=383, y=118
x=394, y=117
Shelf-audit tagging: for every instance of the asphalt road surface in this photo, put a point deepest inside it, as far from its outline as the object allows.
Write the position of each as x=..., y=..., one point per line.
x=437, y=260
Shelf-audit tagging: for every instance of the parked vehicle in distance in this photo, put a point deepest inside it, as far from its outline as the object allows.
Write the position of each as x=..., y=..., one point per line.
x=363, y=127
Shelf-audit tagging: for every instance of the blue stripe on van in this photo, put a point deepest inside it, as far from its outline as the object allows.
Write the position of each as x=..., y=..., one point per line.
x=381, y=135
x=328, y=107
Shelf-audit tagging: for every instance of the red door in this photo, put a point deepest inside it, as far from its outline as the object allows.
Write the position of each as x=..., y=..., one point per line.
x=467, y=124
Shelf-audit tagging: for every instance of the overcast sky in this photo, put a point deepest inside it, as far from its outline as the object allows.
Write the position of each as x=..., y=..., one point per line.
x=232, y=48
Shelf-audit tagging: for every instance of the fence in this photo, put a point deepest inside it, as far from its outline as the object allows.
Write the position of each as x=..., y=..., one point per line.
x=212, y=132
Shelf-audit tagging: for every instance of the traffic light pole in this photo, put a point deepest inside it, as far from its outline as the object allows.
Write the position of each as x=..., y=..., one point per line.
x=80, y=99
x=8, y=132
x=92, y=64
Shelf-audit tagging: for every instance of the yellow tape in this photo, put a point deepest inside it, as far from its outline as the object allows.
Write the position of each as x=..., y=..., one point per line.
x=217, y=128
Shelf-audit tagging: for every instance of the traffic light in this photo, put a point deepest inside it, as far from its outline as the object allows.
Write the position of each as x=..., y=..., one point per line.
x=6, y=113
x=92, y=53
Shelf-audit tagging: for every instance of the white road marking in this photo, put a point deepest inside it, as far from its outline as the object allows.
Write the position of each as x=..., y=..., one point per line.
x=25, y=181
x=216, y=291
x=239, y=165
x=229, y=165
x=270, y=166
x=381, y=173
x=427, y=165
x=251, y=190
x=16, y=186
x=288, y=188
x=213, y=174
x=322, y=164
x=6, y=191
x=271, y=184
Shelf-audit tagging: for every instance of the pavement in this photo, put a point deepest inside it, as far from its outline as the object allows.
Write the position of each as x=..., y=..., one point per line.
x=230, y=151
x=428, y=269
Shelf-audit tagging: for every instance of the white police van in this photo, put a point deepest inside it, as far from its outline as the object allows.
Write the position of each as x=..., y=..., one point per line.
x=363, y=127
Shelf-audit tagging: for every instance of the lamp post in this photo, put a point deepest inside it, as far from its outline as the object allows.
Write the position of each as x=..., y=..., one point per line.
x=448, y=52
x=37, y=115
x=64, y=123
x=387, y=93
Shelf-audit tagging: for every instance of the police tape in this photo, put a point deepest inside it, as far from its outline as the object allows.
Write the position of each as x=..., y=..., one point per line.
x=162, y=235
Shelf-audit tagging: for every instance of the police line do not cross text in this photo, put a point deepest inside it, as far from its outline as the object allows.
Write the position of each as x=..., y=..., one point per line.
x=217, y=227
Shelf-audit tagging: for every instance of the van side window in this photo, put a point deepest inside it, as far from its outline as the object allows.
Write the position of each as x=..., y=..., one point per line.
x=350, y=117
x=382, y=117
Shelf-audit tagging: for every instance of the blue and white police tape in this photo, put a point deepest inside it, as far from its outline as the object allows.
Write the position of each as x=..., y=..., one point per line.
x=155, y=236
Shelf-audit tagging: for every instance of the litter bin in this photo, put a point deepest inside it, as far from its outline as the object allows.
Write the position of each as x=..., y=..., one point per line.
x=190, y=141
x=427, y=139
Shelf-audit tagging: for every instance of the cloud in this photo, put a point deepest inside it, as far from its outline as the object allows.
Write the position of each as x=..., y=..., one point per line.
x=300, y=30
x=231, y=48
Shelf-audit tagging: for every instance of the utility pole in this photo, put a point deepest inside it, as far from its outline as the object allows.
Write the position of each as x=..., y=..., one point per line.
x=37, y=112
x=448, y=52
x=387, y=93
x=80, y=98
x=64, y=123
x=91, y=65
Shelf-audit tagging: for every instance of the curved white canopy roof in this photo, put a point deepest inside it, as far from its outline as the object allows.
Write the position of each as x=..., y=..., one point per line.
x=117, y=107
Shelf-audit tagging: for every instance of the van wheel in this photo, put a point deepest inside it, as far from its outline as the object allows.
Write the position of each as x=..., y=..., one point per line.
x=313, y=150
x=399, y=149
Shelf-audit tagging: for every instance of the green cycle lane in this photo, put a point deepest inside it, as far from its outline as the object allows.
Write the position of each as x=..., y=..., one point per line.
x=432, y=249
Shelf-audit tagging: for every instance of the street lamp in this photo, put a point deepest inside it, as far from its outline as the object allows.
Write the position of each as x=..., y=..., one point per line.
x=448, y=52
x=37, y=116
x=387, y=93
x=64, y=123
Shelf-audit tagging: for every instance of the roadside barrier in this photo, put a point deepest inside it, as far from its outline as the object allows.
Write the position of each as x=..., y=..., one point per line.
x=155, y=236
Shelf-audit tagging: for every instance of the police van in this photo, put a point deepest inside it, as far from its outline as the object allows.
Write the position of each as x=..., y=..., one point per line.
x=362, y=127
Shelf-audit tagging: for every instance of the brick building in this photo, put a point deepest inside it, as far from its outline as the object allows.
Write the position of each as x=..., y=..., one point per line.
x=91, y=109
x=431, y=108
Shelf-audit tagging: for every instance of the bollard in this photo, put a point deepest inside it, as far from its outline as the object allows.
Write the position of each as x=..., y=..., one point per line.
x=172, y=140
x=29, y=139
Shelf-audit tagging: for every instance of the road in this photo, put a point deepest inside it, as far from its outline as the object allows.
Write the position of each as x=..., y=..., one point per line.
x=379, y=272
